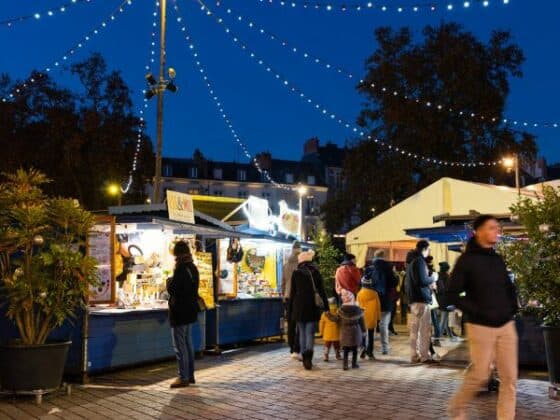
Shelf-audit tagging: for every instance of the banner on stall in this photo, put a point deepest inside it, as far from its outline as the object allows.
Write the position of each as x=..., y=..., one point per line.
x=180, y=207
x=203, y=262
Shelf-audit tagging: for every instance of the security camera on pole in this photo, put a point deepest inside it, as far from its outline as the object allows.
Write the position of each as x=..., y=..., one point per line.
x=158, y=87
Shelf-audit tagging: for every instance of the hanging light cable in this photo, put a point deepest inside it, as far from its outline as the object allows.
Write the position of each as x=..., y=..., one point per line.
x=140, y=132
x=219, y=104
x=53, y=11
x=22, y=88
x=436, y=106
x=325, y=112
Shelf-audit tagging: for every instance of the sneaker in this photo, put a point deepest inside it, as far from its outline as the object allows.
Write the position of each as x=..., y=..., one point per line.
x=436, y=343
x=295, y=356
x=385, y=352
x=393, y=333
x=179, y=383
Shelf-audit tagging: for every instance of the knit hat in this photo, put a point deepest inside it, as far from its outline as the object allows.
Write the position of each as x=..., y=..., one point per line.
x=347, y=296
x=349, y=257
x=296, y=245
x=444, y=266
x=306, y=256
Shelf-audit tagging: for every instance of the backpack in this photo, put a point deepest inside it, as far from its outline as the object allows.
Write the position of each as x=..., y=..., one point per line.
x=376, y=277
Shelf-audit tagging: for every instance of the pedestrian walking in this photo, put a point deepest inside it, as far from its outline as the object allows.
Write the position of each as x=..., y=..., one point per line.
x=183, y=312
x=330, y=332
x=348, y=276
x=481, y=288
x=444, y=308
x=287, y=270
x=307, y=301
x=419, y=295
x=350, y=317
x=368, y=300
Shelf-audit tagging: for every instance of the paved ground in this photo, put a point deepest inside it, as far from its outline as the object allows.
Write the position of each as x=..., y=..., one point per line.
x=261, y=382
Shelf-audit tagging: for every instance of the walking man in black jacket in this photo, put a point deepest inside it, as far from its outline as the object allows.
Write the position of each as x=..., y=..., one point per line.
x=490, y=303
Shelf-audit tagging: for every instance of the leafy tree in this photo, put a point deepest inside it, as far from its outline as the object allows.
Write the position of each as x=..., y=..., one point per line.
x=535, y=259
x=81, y=140
x=44, y=274
x=328, y=259
x=451, y=67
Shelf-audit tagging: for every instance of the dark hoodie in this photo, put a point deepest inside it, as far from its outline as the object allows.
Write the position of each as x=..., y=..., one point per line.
x=417, y=282
x=481, y=273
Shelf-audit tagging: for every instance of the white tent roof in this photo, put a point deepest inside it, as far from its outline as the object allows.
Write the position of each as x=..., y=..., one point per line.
x=447, y=195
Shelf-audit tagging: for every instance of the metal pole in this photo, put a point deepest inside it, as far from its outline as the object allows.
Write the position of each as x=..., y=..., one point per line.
x=300, y=216
x=160, y=92
x=517, y=183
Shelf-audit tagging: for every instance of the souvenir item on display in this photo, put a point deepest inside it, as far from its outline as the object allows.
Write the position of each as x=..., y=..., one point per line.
x=234, y=251
x=254, y=262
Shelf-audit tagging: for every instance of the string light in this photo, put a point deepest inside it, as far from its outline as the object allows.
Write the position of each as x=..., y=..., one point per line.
x=326, y=64
x=325, y=112
x=219, y=104
x=380, y=7
x=19, y=90
x=53, y=11
x=140, y=132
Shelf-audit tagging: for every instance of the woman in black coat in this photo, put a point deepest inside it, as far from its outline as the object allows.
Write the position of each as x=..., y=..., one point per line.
x=305, y=280
x=183, y=312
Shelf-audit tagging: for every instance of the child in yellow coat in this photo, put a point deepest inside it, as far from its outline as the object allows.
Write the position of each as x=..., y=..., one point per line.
x=330, y=332
x=368, y=300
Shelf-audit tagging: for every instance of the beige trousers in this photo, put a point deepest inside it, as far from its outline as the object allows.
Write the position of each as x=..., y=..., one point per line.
x=420, y=332
x=487, y=345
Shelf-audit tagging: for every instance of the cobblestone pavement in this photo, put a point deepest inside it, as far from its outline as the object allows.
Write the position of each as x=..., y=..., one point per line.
x=262, y=382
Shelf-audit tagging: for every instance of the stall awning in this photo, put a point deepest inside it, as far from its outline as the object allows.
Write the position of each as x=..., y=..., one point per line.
x=443, y=234
x=206, y=231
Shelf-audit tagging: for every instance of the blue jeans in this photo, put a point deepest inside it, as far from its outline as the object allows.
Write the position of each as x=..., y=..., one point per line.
x=306, y=332
x=444, y=324
x=384, y=330
x=183, y=346
x=435, y=323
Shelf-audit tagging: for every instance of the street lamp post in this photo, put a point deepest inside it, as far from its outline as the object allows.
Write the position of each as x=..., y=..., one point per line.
x=302, y=190
x=160, y=91
x=512, y=163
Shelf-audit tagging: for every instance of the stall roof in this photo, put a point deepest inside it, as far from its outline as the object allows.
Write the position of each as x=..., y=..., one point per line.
x=444, y=234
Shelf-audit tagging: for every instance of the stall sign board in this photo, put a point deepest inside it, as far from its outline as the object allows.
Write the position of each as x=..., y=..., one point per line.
x=206, y=278
x=180, y=207
x=101, y=246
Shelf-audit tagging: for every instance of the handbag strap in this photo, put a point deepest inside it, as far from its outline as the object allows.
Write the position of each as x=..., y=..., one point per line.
x=312, y=280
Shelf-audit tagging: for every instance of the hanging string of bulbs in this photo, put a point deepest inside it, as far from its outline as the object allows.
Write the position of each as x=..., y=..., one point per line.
x=328, y=65
x=325, y=112
x=53, y=11
x=429, y=7
x=140, y=131
x=218, y=102
x=93, y=33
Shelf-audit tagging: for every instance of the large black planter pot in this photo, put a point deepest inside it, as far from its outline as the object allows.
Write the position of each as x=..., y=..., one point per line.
x=25, y=368
x=552, y=344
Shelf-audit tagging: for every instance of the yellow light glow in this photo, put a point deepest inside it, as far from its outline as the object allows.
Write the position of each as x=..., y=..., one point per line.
x=113, y=189
x=302, y=190
x=508, y=162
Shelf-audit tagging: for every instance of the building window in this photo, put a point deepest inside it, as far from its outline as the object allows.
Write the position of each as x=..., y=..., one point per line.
x=311, y=180
x=242, y=194
x=168, y=170
x=290, y=178
x=242, y=175
x=193, y=191
x=219, y=193
x=218, y=173
x=193, y=172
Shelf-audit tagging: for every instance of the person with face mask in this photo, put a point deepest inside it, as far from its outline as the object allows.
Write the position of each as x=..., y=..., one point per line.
x=481, y=287
x=419, y=293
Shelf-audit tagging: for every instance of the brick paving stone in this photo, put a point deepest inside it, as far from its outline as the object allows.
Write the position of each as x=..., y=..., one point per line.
x=263, y=383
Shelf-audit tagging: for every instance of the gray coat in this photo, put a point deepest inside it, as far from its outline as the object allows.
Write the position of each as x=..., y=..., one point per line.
x=287, y=271
x=352, y=325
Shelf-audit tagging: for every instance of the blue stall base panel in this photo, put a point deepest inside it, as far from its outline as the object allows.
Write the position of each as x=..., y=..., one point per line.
x=124, y=339
x=244, y=320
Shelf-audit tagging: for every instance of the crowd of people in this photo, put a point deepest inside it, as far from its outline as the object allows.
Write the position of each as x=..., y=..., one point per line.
x=364, y=303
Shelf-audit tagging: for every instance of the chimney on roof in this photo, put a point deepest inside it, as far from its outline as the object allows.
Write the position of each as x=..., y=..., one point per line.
x=311, y=146
x=265, y=160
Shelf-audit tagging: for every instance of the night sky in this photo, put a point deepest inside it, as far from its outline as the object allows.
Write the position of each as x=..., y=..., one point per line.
x=265, y=114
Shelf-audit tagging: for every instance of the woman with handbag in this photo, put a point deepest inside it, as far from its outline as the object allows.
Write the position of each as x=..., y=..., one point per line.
x=183, y=312
x=307, y=301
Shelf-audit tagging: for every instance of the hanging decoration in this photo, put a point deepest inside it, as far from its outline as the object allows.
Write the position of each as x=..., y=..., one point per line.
x=324, y=111
x=53, y=11
x=140, y=132
x=20, y=89
x=327, y=64
x=219, y=104
x=385, y=7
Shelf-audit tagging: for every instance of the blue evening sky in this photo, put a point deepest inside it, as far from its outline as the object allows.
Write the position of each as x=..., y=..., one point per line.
x=265, y=114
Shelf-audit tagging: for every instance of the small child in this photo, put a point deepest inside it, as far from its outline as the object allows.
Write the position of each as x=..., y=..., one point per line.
x=330, y=332
x=350, y=318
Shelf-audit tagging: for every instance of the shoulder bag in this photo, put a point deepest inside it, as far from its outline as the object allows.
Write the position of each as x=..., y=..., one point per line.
x=316, y=296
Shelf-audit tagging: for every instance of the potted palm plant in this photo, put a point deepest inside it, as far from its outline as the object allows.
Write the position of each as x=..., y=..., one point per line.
x=535, y=260
x=45, y=277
